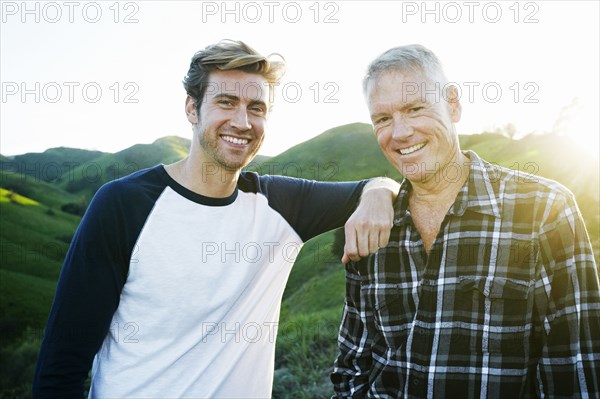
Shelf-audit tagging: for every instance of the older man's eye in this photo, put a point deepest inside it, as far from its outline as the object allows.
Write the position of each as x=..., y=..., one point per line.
x=381, y=120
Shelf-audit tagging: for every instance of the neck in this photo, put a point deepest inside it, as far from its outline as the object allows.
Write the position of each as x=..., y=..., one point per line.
x=204, y=176
x=444, y=184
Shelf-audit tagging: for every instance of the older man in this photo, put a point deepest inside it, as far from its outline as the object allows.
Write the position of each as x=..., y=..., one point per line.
x=488, y=287
x=173, y=282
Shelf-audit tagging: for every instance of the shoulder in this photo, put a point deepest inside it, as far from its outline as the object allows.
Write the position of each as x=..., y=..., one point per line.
x=143, y=185
x=525, y=192
x=514, y=181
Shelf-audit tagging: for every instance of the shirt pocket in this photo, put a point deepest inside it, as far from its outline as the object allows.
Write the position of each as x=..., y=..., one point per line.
x=392, y=312
x=502, y=309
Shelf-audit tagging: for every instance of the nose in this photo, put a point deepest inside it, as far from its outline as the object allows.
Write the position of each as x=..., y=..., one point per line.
x=240, y=119
x=401, y=129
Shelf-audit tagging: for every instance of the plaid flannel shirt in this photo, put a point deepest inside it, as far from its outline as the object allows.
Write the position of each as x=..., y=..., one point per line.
x=505, y=305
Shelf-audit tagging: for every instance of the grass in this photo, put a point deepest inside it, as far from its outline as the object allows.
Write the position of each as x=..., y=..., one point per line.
x=33, y=242
x=10, y=196
x=26, y=301
x=309, y=322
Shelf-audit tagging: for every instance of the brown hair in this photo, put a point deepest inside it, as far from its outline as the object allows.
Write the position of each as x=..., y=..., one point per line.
x=227, y=55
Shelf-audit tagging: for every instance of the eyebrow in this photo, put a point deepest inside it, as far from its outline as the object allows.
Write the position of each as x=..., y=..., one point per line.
x=236, y=98
x=227, y=96
x=415, y=102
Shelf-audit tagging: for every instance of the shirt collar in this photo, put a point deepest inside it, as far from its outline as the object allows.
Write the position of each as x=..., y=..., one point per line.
x=476, y=195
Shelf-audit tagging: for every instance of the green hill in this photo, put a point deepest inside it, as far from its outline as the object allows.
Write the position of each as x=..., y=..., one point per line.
x=88, y=177
x=50, y=165
x=344, y=153
x=34, y=239
x=41, y=191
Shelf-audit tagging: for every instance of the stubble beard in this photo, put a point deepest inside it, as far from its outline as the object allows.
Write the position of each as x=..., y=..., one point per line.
x=211, y=148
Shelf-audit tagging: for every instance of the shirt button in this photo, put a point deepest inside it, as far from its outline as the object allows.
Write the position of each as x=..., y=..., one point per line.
x=416, y=381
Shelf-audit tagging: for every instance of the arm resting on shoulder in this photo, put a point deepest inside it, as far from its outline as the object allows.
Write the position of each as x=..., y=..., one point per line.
x=368, y=228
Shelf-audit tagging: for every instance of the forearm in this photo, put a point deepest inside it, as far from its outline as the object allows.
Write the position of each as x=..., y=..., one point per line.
x=383, y=186
x=368, y=229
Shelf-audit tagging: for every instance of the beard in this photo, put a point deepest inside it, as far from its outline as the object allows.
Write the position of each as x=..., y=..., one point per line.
x=227, y=159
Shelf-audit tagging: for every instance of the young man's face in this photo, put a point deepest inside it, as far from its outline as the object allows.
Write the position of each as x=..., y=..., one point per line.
x=413, y=126
x=232, y=119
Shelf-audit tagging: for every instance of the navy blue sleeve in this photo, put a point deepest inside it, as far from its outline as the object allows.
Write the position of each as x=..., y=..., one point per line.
x=310, y=207
x=89, y=288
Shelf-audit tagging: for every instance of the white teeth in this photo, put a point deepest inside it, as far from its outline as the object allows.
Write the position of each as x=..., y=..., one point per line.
x=412, y=149
x=235, y=140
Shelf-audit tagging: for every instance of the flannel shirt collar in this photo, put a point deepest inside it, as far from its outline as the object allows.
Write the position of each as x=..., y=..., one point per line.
x=476, y=195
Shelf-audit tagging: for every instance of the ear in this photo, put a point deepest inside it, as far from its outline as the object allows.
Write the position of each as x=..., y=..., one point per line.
x=454, y=106
x=191, y=110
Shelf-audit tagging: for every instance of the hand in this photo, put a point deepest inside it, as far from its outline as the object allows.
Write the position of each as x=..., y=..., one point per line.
x=368, y=228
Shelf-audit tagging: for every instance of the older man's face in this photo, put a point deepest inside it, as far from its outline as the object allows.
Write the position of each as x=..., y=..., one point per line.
x=414, y=126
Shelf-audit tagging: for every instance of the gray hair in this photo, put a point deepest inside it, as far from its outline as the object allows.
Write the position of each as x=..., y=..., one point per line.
x=413, y=58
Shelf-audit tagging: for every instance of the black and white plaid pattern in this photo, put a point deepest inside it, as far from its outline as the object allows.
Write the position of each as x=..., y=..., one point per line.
x=505, y=305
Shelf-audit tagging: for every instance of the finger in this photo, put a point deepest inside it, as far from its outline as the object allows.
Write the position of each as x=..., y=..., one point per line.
x=345, y=259
x=362, y=245
x=350, y=248
x=373, y=242
x=384, y=238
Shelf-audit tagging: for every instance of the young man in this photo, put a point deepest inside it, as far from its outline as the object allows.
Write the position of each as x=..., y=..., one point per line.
x=173, y=282
x=488, y=287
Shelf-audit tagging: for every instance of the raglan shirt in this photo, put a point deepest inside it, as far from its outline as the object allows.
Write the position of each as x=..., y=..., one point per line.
x=166, y=293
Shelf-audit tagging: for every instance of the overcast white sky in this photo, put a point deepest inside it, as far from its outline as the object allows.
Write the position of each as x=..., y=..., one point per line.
x=106, y=75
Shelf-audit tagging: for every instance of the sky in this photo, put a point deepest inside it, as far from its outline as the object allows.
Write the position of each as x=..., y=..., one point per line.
x=105, y=75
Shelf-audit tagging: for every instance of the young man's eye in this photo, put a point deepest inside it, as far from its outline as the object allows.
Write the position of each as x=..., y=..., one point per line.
x=258, y=110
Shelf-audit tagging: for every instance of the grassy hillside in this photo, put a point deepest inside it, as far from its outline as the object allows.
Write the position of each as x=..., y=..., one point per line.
x=88, y=177
x=41, y=191
x=49, y=165
x=33, y=239
x=344, y=153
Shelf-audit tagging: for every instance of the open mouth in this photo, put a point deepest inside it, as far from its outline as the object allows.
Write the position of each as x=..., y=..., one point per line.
x=410, y=150
x=235, y=140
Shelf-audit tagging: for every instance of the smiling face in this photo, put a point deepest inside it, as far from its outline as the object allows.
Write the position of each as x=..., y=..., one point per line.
x=413, y=126
x=233, y=115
